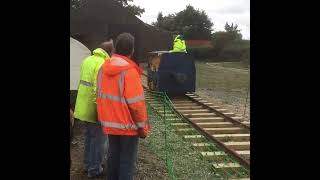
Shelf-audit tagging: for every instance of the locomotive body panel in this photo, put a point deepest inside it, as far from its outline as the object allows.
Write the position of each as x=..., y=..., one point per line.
x=173, y=73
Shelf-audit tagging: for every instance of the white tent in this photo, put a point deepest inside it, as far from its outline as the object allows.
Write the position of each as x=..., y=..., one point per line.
x=77, y=54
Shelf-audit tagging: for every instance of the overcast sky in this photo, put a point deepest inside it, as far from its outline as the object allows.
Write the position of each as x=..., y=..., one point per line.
x=219, y=11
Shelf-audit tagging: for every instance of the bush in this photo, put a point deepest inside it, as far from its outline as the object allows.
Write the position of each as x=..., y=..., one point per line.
x=245, y=56
x=235, y=51
x=239, y=50
x=201, y=53
x=230, y=54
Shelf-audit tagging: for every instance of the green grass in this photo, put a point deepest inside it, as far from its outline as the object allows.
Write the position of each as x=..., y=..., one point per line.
x=236, y=65
x=227, y=77
x=183, y=160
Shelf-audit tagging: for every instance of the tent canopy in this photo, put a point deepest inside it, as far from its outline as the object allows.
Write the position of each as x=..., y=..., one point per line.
x=77, y=54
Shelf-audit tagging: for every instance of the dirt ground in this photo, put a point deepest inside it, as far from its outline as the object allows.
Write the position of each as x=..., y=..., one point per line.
x=236, y=106
x=149, y=166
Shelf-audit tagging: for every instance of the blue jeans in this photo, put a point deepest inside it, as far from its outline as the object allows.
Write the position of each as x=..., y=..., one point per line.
x=93, y=148
x=122, y=155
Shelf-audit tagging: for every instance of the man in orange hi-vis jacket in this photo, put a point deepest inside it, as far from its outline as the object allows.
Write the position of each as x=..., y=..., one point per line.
x=121, y=108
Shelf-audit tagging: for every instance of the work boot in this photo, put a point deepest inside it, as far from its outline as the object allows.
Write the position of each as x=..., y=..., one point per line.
x=100, y=174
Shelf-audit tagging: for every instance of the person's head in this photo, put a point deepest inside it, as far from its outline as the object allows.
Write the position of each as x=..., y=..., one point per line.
x=107, y=46
x=125, y=45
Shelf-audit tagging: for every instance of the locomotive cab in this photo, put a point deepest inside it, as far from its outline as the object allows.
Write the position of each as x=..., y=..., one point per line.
x=173, y=73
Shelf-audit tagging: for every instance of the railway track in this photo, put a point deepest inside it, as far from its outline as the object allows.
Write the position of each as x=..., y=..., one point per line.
x=212, y=123
x=215, y=123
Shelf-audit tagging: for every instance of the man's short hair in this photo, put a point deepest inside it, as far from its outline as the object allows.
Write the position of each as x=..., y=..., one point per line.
x=124, y=44
x=107, y=46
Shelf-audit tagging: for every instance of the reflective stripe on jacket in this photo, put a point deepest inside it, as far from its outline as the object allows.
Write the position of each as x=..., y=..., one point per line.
x=120, y=97
x=85, y=108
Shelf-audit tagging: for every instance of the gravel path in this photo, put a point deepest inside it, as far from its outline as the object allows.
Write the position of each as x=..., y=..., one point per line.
x=149, y=166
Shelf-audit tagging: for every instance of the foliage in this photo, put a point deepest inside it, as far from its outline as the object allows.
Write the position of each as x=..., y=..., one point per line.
x=136, y=10
x=190, y=22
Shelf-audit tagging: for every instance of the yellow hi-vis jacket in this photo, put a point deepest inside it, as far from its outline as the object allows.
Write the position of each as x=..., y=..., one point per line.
x=179, y=45
x=86, y=107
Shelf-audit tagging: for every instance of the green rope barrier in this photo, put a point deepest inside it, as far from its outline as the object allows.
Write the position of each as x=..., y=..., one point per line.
x=182, y=160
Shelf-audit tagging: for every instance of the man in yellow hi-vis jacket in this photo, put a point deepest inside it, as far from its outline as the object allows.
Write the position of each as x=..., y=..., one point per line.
x=179, y=44
x=86, y=108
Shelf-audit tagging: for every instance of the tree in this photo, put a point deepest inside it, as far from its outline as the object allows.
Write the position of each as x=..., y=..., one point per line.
x=159, y=22
x=231, y=28
x=75, y=4
x=219, y=41
x=135, y=10
x=229, y=40
x=233, y=32
x=165, y=23
x=192, y=23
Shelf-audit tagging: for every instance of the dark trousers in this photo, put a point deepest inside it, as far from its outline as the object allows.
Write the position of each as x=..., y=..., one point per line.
x=71, y=138
x=93, y=148
x=122, y=155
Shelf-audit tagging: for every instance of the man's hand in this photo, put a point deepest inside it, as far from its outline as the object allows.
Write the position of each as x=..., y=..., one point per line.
x=141, y=133
x=71, y=117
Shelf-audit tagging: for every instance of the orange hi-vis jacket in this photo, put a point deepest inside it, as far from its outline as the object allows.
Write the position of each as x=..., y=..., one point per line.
x=120, y=99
